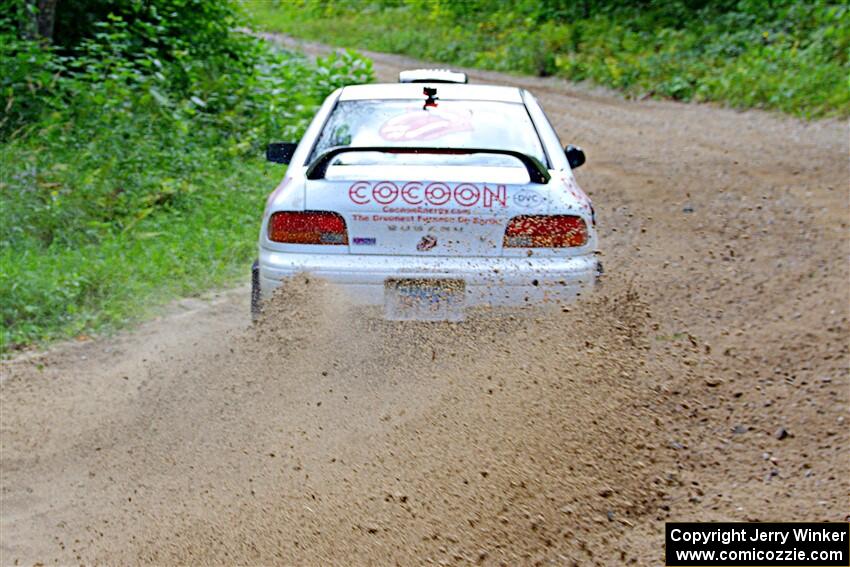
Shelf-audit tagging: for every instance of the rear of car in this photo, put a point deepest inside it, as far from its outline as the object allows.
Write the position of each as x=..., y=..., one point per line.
x=428, y=199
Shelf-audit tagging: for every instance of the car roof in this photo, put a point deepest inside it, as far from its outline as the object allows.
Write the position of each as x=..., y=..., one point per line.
x=445, y=91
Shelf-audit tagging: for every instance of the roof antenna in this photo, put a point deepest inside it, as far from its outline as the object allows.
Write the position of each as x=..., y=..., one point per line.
x=431, y=101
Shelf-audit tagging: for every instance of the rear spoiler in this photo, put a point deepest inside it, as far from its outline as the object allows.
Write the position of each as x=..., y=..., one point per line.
x=537, y=172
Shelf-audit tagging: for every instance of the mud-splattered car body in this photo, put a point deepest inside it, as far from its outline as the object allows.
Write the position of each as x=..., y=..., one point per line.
x=427, y=198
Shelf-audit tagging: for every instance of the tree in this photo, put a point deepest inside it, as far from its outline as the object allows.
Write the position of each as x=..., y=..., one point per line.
x=46, y=18
x=40, y=20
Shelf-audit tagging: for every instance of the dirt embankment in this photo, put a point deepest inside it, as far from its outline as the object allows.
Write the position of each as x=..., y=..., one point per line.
x=706, y=380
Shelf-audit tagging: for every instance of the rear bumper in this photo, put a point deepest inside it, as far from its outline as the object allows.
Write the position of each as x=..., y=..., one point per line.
x=488, y=281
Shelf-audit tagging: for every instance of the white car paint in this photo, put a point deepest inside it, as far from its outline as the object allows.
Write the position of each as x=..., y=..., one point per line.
x=461, y=209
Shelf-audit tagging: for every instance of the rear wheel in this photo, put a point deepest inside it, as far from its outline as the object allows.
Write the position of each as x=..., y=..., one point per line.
x=256, y=307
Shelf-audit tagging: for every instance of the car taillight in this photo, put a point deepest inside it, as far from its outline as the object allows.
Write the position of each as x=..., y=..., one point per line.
x=308, y=227
x=545, y=231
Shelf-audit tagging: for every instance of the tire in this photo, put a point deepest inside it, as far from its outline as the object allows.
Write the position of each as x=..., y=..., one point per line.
x=256, y=306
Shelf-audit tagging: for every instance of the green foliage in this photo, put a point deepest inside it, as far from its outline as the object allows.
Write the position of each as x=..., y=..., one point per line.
x=777, y=54
x=129, y=161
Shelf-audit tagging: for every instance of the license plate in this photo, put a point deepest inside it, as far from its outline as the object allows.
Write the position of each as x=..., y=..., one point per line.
x=424, y=299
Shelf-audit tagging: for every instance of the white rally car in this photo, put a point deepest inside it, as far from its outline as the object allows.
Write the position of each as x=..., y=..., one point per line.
x=427, y=197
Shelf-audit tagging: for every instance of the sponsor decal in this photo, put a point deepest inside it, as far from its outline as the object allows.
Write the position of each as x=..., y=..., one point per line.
x=428, y=242
x=365, y=241
x=435, y=221
x=420, y=228
x=527, y=199
x=433, y=194
x=424, y=125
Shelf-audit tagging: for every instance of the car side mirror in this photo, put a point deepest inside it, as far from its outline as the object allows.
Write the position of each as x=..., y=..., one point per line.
x=575, y=156
x=280, y=152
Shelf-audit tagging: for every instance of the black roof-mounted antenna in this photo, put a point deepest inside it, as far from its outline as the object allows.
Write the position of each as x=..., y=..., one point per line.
x=431, y=101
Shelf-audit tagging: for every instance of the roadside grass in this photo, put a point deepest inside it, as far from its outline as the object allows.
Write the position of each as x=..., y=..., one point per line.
x=130, y=162
x=62, y=291
x=786, y=56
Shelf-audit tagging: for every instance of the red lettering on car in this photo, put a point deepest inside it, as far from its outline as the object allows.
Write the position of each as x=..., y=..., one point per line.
x=500, y=195
x=356, y=192
x=385, y=192
x=467, y=194
x=407, y=193
x=438, y=193
x=435, y=194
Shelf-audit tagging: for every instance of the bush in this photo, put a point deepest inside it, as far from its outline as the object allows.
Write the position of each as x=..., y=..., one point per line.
x=785, y=55
x=129, y=166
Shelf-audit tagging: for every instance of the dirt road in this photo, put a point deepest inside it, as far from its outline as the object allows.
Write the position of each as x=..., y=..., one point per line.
x=706, y=380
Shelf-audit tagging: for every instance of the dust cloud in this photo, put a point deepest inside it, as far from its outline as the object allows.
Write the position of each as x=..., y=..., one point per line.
x=705, y=380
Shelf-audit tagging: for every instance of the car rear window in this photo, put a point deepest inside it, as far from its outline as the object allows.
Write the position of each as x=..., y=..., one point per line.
x=452, y=124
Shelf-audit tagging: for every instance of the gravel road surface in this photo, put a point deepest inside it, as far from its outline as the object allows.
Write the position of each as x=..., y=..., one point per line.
x=707, y=379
